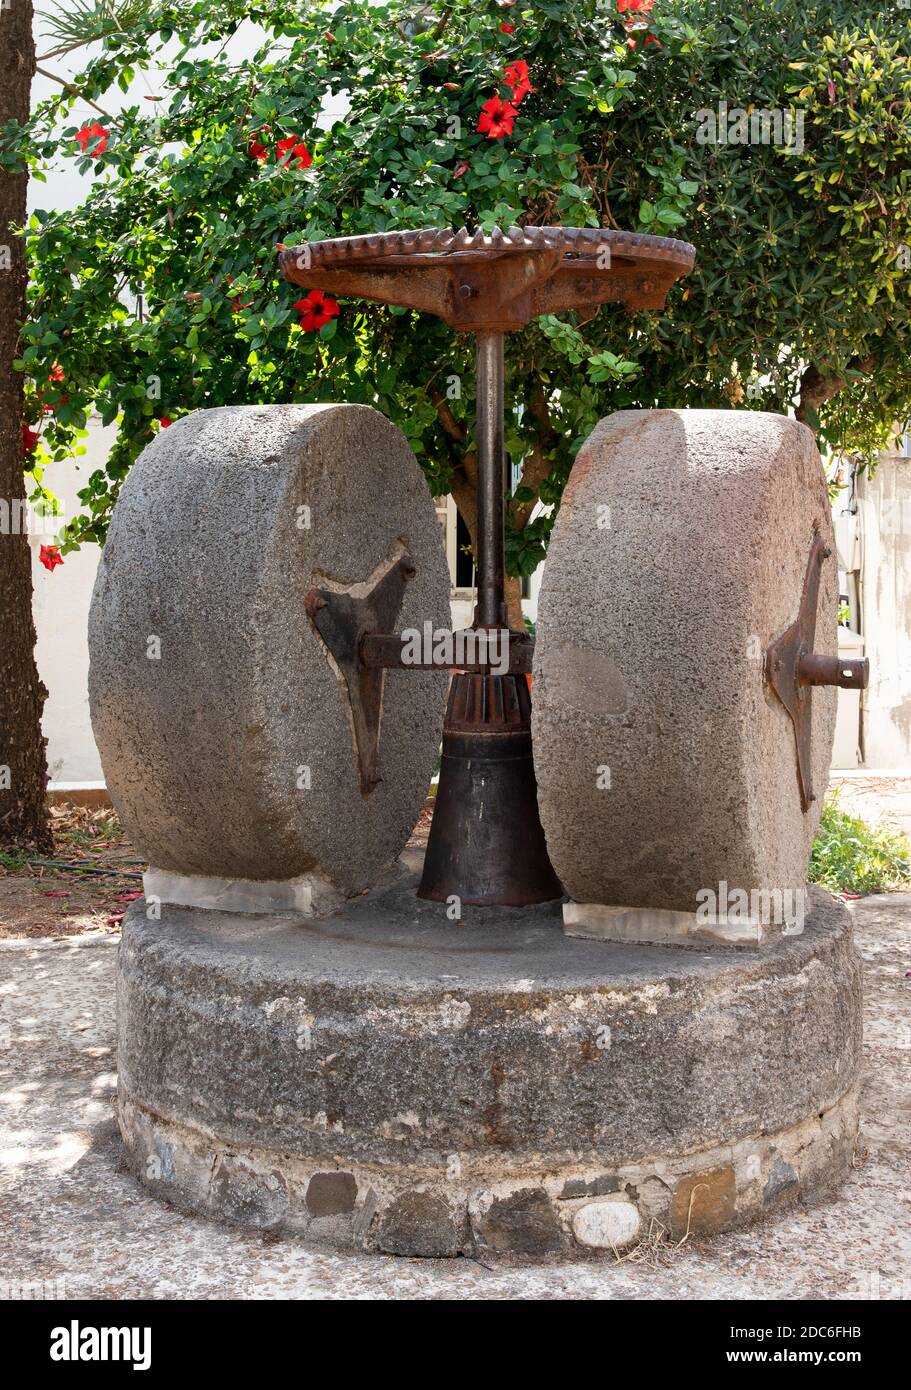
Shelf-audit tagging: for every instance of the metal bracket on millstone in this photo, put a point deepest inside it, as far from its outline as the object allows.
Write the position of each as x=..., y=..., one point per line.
x=356, y=626
x=342, y=617
x=792, y=668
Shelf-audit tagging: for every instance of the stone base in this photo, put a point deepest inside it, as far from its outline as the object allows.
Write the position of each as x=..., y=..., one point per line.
x=391, y=1080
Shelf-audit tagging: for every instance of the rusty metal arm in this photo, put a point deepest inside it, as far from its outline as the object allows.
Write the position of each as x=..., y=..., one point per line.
x=494, y=282
x=386, y=650
x=792, y=668
x=814, y=669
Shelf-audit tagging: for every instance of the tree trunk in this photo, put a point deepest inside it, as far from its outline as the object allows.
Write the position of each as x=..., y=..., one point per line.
x=816, y=389
x=465, y=498
x=514, y=603
x=23, y=817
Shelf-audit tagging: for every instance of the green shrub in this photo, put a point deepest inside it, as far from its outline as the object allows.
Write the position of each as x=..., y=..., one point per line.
x=851, y=856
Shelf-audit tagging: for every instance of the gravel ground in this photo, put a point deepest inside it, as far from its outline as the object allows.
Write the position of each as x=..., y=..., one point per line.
x=72, y=1218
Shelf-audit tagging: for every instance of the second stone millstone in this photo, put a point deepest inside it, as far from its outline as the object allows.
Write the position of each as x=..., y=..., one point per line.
x=686, y=613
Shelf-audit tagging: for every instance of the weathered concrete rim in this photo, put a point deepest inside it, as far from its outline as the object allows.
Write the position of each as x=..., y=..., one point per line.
x=474, y=1170
x=369, y=939
x=114, y=1237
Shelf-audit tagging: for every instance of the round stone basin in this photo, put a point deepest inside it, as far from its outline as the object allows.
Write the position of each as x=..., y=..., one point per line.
x=392, y=1080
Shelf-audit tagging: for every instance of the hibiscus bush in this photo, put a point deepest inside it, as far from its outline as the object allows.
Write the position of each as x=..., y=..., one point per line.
x=159, y=294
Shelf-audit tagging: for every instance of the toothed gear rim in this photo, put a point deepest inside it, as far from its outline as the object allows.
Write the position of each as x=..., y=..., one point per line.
x=575, y=241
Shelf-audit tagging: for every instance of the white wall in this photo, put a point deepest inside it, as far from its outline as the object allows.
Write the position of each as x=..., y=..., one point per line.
x=884, y=511
x=61, y=608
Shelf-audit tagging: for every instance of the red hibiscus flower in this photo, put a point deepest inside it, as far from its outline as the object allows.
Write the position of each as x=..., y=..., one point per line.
x=315, y=309
x=50, y=557
x=165, y=421
x=257, y=151
x=640, y=6
x=293, y=149
x=516, y=77
x=29, y=440
x=507, y=28
x=496, y=118
x=94, y=134
x=56, y=372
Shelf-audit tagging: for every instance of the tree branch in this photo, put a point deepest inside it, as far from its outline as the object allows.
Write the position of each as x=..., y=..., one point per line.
x=816, y=389
x=535, y=468
x=76, y=92
x=444, y=20
x=537, y=464
x=447, y=419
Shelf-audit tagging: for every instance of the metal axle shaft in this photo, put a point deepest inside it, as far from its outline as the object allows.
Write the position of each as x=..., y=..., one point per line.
x=491, y=609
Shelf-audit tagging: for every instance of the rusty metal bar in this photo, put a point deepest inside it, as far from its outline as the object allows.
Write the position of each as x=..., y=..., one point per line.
x=383, y=650
x=490, y=610
x=792, y=668
x=815, y=669
x=339, y=617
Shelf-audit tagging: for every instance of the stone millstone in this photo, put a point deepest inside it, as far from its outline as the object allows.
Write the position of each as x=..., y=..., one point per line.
x=665, y=763
x=223, y=728
x=383, y=1078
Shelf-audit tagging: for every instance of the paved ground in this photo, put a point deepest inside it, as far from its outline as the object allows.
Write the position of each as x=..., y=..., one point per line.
x=69, y=1213
x=875, y=798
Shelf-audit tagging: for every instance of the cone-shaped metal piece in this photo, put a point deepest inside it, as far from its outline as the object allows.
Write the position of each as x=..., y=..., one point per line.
x=486, y=844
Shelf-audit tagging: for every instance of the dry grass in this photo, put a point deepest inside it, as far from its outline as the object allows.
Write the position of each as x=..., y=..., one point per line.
x=85, y=885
